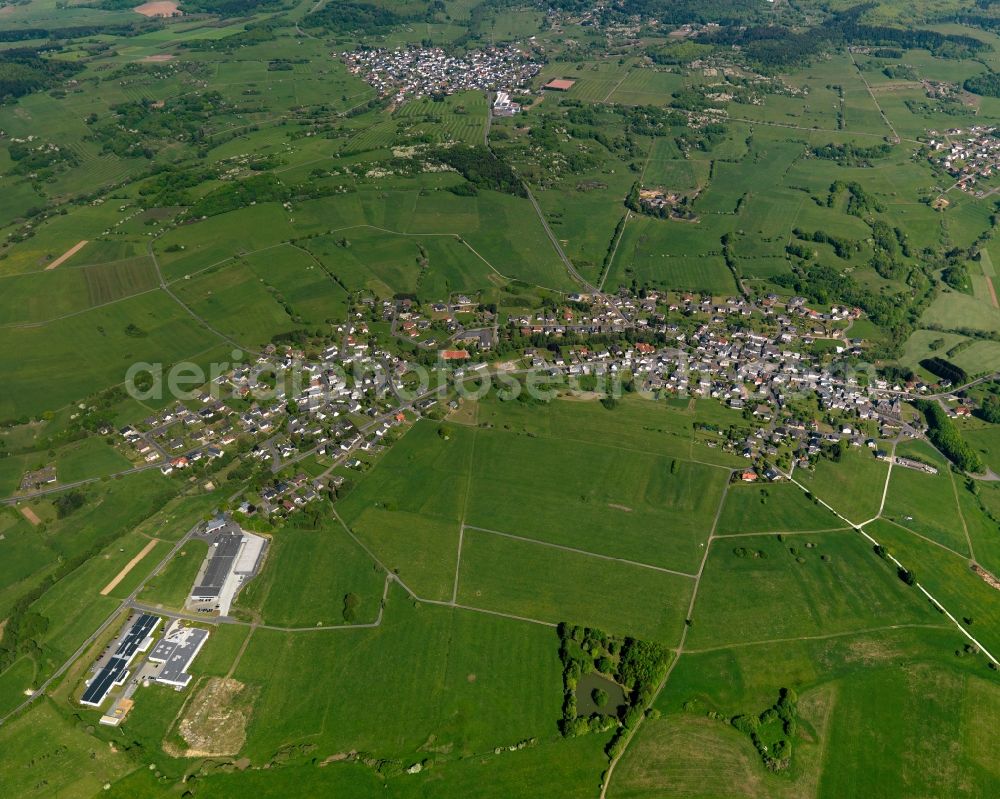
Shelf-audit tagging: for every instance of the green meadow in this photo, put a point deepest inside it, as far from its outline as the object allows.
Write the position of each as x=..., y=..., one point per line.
x=234, y=184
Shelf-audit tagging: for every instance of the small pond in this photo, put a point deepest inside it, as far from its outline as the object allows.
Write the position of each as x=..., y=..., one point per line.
x=585, y=705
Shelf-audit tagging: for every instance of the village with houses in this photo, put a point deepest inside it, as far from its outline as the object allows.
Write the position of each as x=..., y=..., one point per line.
x=969, y=155
x=793, y=372
x=415, y=72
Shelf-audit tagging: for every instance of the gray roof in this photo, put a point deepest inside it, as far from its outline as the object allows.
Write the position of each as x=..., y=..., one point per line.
x=176, y=652
x=221, y=558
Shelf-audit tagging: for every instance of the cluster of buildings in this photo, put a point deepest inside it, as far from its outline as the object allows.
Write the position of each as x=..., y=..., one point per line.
x=503, y=106
x=133, y=659
x=754, y=355
x=180, y=436
x=279, y=408
x=414, y=72
x=457, y=322
x=969, y=155
x=38, y=478
x=167, y=663
x=762, y=367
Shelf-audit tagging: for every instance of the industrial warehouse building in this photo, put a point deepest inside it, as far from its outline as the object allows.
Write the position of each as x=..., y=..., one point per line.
x=137, y=637
x=175, y=651
x=233, y=557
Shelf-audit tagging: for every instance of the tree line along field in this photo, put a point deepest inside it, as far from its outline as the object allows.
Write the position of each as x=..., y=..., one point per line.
x=770, y=152
x=806, y=606
x=269, y=188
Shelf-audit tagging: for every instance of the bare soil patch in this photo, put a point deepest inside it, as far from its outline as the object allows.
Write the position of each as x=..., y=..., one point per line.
x=159, y=58
x=993, y=292
x=616, y=506
x=128, y=567
x=67, y=255
x=337, y=758
x=987, y=577
x=31, y=516
x=215, y=722
x=158, y=8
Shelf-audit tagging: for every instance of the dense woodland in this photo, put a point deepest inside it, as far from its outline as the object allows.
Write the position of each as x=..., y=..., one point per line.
x=24, y=70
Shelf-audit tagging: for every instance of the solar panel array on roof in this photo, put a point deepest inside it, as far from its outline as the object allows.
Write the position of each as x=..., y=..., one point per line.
x=227, y=547
x=115, y=671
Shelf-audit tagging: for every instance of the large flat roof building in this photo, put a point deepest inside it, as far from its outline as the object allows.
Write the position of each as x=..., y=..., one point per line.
x=233, y=557
x=136, y=638
x=222, y=558
x=176, y=650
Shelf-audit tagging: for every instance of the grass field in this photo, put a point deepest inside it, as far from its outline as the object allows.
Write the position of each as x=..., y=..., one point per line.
x=527, y=579
x=851, y=690
x=308, y=575
x=854, y=484
x=344, y=690
x=948, y=578
x=607, y=500
x=780, y=507
x=409, y=509
x=173, y=585
x=927, y=503
x=54, y=757
x=759, y=588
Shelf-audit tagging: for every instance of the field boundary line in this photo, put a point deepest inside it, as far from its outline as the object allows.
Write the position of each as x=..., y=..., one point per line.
x=786, y=532
x=617, y=86
x=871, y=94
x=465, y=510
x=71, y=314
x=678, y=652
x=447, y=604
x=845, y=634
x=578, y=551
x=392, y=575
x=929, y=540
x=457, y=236
x=961, y=516
x=239, y=655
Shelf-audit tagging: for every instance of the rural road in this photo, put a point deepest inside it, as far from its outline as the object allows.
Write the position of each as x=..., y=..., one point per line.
x=123, y=606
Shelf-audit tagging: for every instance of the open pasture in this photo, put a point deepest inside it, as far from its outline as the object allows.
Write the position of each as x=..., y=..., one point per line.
x=851, y=690
x=760, y=588
x=773, y=508
x=308, y=576
x=457, y=662
x=852, y=487
x=538, y=582
x=925, y=503
x=408, y=510
x=69, y=358
x=599, y=498
x=948, y=578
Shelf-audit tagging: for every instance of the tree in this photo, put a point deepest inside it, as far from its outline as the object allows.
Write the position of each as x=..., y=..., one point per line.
x=600, y=697
x=907, y=576
x=350, y=611
x=990, y=409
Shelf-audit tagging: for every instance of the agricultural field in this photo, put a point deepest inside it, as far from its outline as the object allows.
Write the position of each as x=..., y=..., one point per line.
x=802, y=585
x=709, y=270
